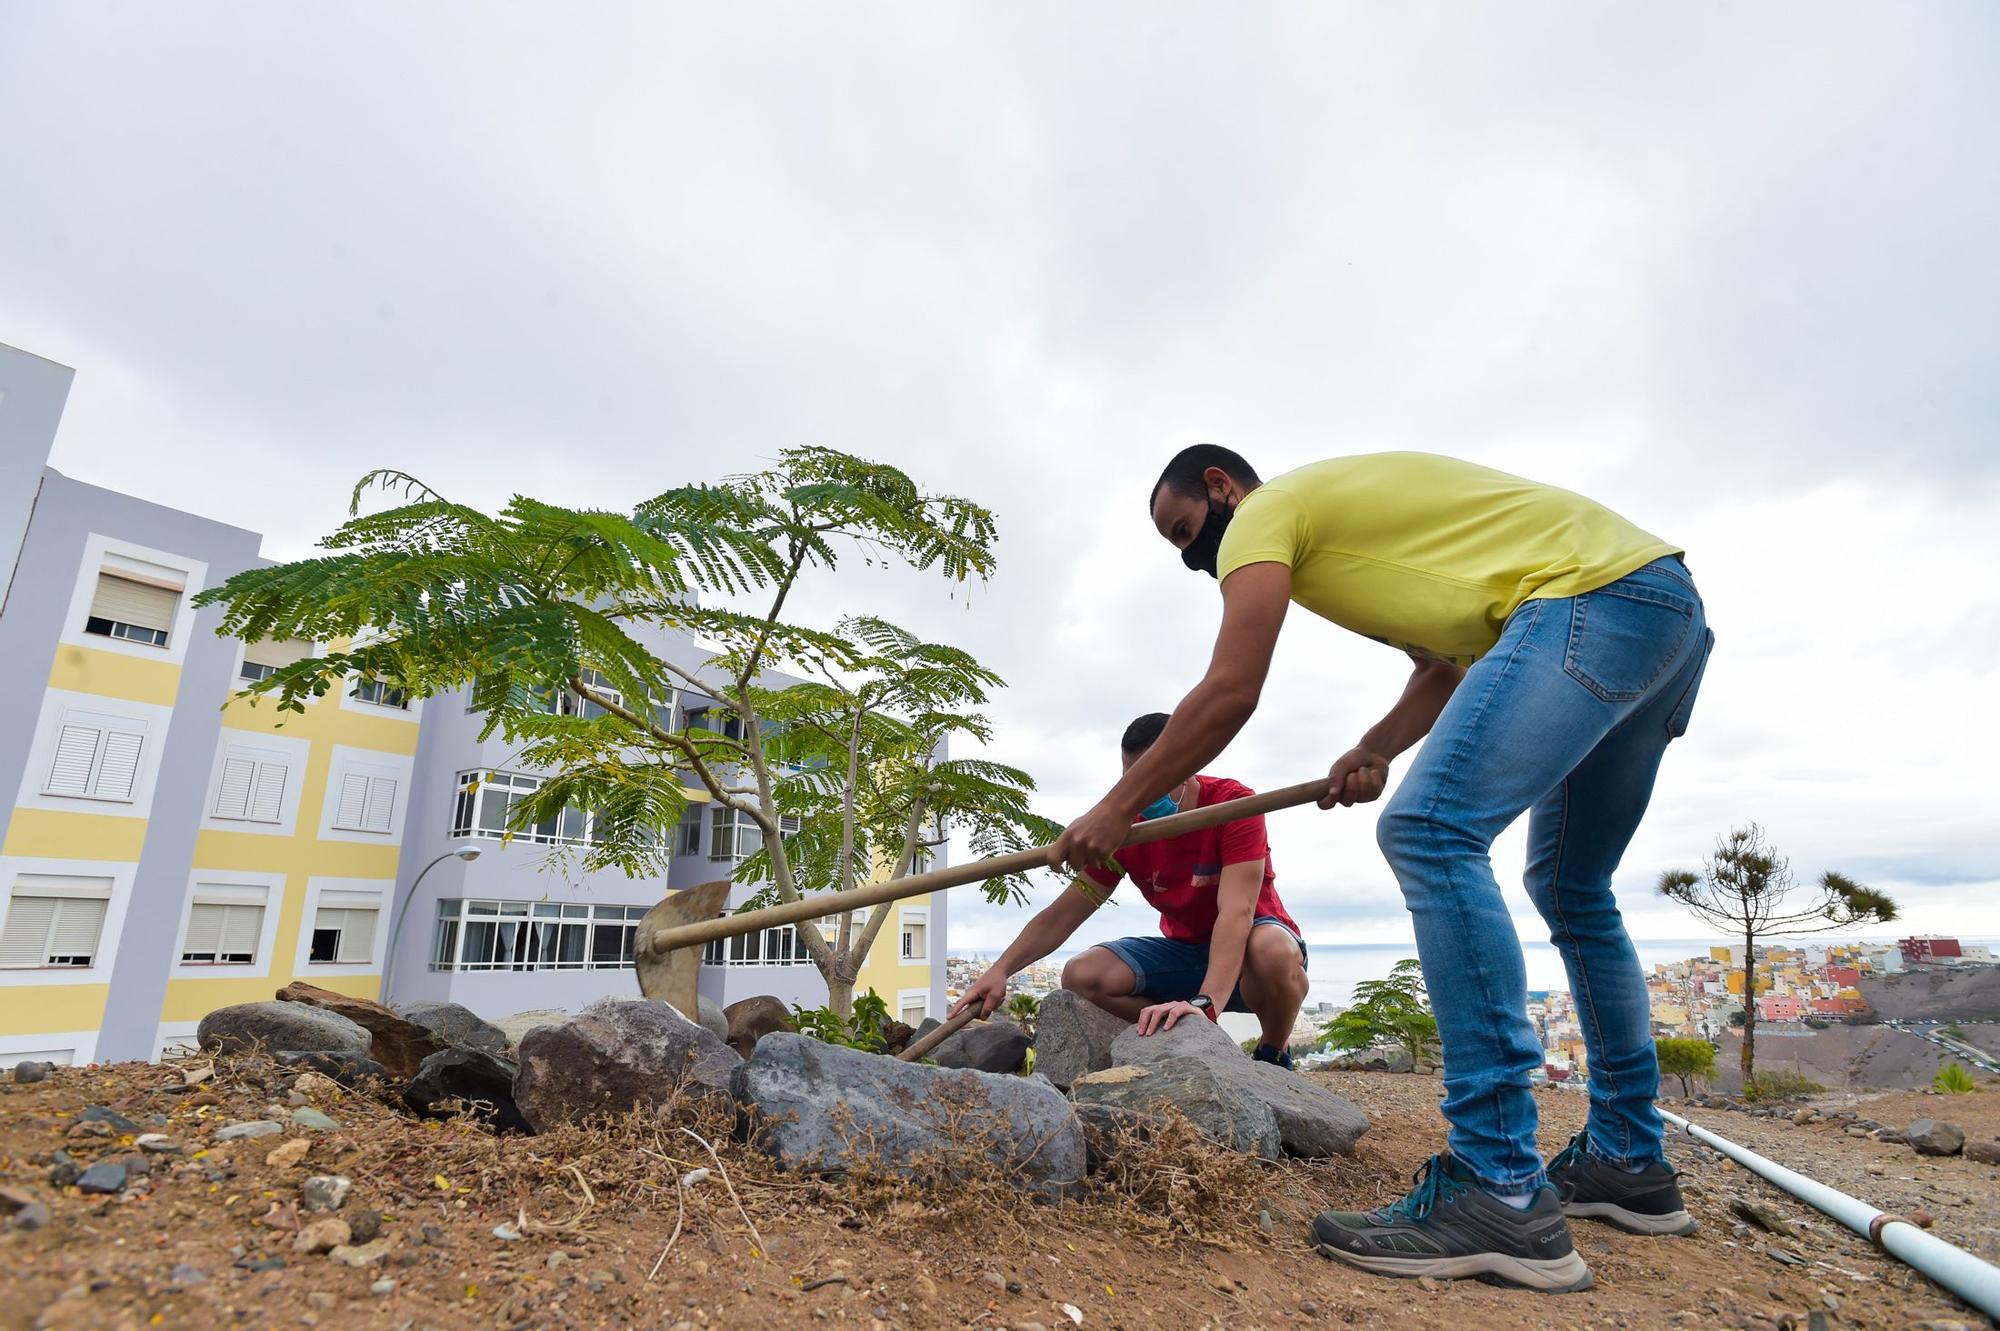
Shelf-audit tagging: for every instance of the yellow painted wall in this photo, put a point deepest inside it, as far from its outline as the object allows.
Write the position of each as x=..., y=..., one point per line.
x=114, y=675
x=29, y=1009
x=74, y=836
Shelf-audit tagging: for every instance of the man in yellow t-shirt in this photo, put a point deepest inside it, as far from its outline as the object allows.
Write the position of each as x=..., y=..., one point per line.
x=1555, y=650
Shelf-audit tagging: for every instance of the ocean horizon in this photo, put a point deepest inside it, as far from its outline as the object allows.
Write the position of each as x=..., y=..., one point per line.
x=1335, y=968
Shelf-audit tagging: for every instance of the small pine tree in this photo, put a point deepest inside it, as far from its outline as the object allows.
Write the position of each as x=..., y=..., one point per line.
x=1686, y=1059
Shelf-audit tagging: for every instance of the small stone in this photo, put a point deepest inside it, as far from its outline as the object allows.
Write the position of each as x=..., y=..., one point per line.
x=366, y=1226
x=196, y=1074
x=23, y=1209
x=1016, y=1287
x=1921, y=1218
x=382, y=1289
x=1427, y=1284
x=99, y=1114
x=308, y=1117
x=184, y=1274
x=994, y=1278
x=1929, y=1136
x=1308, y=1307
x=323, y=1236
x=158, y=1143
x=1983, y=1152
x=556, y=1260
x=256, y=1127
x=102, y=1177
x=507, y=1233
x=321, y=1300
x=325, y=1192
x=293, y=1151
x=88, y=1128
x=27, y=1070
x=1761, y=1216
x=1877, y=1168
x=366, y=1254
x=1778, y=1254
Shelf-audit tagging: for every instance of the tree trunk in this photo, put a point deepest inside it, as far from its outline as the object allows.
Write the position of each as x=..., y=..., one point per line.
x=840, y=996
x=1749, y=1009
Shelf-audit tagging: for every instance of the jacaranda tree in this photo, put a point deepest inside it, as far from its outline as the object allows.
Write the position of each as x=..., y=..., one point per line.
x=541, y=611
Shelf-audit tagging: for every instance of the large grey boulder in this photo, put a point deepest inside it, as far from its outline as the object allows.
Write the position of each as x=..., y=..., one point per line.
x=280, y=1027
x=751, y=1019
x=708, y=1014
x=822, y=1108
x=1312, y=1121
x=617, y=1055
x=1073, y=1036
x=457, y=1024
x=988, y=1046
x=1930, y=1136
x=478, y=1078
x=1225, y=1113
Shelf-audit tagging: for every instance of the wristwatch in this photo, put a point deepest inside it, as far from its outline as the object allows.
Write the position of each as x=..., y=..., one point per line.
x=1204, y=1004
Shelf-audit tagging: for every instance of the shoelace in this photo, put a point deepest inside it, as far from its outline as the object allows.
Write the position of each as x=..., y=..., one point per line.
x=1433, y=1185
x=1572, y=1154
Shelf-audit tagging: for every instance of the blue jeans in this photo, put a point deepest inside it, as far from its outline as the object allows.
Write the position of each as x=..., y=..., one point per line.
x=1565, y=719
x=1165, y=969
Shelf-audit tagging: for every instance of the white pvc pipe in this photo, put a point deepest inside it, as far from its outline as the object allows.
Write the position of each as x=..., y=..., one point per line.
x=1973, y=1280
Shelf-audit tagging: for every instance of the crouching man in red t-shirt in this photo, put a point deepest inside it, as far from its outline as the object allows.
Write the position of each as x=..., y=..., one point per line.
x=1227, y=942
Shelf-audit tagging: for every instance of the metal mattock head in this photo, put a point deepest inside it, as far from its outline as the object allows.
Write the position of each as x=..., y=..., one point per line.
x=672, y=975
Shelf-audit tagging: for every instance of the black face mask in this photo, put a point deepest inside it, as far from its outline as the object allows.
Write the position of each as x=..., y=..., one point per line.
x=1201, y=551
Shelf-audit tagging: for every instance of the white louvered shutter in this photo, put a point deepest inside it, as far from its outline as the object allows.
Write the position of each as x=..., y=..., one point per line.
x=267, y=797
x=25, y=940
x=357, y=937
x=140, y=604
x=76, y=751
x=204, y=932
x=353, y=803
x=381, y=804
x=242, y=926
x=232, y=798
x=79, y=920
x=277, y=654
x=119, y=767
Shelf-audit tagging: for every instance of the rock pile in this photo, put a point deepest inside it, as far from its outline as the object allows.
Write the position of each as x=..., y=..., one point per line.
x=816, y=1107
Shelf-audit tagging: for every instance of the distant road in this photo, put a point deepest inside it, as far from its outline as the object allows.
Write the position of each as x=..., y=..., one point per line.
x=1977, y=1057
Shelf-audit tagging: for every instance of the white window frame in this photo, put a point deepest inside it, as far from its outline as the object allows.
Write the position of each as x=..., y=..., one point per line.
x=533, y=928
x=905, y=998
x=907, y=916
x=479, y=788
x=265, y=889
x=111, y=731
x=243, y=663
x=108, y=554
x=740, y=825
x=89, y=709
x=371, y=765
x=343, y=893
x=121, y=874
x=63, y=889
x=294, y=753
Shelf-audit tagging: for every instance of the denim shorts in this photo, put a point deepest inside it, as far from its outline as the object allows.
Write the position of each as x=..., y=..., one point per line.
x=1166, y=969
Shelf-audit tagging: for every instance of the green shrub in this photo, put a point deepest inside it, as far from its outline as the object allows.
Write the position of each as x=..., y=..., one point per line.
x=1780, y=1084
x=1952, y=1032
x=1953, y=1079
x=1686, y=1059
x=863, y=1030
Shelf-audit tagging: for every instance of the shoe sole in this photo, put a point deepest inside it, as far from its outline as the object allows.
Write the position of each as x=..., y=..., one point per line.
x=1555, y=1275
x=1677, y=1223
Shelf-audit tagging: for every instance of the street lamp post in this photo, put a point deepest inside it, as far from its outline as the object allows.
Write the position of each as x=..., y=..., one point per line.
x=466, y=853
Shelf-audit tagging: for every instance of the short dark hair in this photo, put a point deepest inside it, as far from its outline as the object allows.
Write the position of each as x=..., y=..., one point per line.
x=1184, y=474
x=1139, y=736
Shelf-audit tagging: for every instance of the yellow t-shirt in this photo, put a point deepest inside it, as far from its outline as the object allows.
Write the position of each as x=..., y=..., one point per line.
x=1427, y=553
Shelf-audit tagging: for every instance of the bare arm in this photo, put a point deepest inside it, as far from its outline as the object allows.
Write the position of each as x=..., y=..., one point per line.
x=1360, y=774
x=1236, y=911
x=1049, y=930
x=1254, y=600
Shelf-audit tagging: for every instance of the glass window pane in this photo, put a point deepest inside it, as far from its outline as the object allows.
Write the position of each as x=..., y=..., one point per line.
x=604, y=944
x=570, y=948
x=548, y=909
x=576, y=912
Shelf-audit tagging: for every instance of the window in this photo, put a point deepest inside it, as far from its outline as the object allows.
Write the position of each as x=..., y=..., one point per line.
x=912, y=1005
x=534, y=936
x=224, y=926
x=690, y=840
x=716, y=721
x=53, y=920
x=781, y=946
x=485, y=803
x=367, y=801
x=252, y=788
x=261, y=660
x=916, y=924
x=734, y=835
x=343, y=929
x=97, y=756
x=381, y=695
x=133, y=609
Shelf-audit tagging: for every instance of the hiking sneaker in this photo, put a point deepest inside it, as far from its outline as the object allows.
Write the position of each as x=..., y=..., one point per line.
x=1451, y=1227
x=1270, y=1053
x=1648, y=1202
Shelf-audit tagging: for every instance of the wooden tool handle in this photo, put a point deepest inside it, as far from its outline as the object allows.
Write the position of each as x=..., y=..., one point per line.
x=918, y=1048
x=821, y=904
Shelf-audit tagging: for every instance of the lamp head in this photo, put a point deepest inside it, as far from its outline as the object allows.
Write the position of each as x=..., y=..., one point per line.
x=467, y=853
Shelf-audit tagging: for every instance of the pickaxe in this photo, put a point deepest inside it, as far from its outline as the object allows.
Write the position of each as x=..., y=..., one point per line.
x=665, y=949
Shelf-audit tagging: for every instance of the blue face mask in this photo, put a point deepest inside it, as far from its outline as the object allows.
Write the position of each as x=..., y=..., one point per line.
x=1162, y=807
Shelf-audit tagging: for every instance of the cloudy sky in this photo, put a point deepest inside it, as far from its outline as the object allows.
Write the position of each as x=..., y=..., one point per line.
x=1728, y=268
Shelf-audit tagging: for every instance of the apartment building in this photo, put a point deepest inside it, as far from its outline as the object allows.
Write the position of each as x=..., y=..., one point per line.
x=170, y=847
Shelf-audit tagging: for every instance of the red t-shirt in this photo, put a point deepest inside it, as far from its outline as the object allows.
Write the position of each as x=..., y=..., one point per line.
x=1179, y=876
